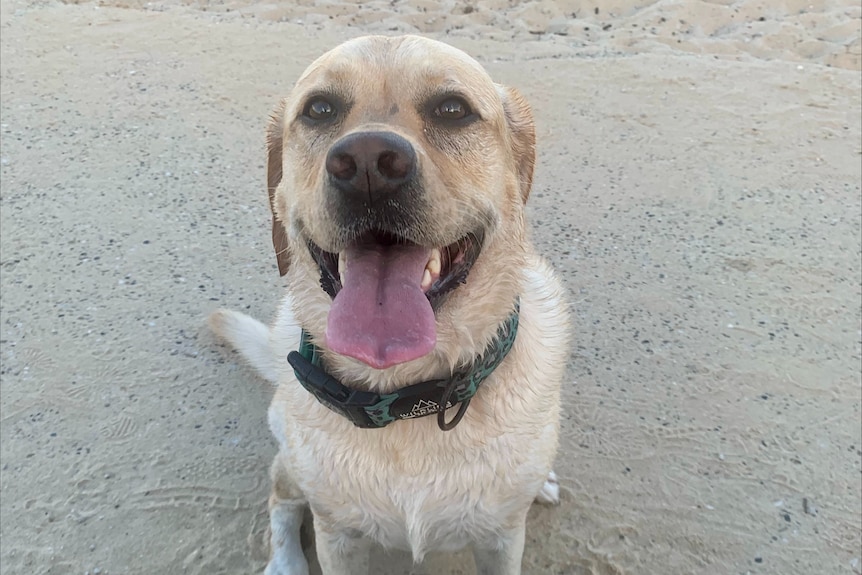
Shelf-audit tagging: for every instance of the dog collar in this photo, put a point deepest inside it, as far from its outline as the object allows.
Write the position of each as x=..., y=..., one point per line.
x=367, y=409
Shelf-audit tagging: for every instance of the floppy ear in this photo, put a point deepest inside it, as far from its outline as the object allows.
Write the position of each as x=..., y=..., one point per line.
x=274, y=136
x=522, y=130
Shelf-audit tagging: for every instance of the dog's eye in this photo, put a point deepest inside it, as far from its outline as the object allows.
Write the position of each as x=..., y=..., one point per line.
x=453, y=109
x=319, y=109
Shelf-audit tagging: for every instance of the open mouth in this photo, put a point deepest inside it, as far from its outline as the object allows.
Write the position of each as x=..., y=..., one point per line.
x=385, y=289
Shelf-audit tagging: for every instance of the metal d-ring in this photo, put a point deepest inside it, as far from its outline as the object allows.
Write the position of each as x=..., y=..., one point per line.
x=441, y=414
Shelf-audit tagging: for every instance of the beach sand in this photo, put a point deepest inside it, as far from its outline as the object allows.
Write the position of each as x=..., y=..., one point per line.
x=698, y=189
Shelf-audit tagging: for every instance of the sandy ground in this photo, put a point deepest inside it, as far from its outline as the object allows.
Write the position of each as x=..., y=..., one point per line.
x=698, y=189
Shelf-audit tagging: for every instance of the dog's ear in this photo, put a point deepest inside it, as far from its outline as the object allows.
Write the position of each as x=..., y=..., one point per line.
x=522, y=130
x=274, y=136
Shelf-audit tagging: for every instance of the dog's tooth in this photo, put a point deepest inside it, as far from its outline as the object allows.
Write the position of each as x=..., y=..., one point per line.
x=433, y=264
x=342, y=266
x=426, y=281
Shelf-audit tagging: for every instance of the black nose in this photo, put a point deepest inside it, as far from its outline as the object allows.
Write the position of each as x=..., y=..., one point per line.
x=371, y=166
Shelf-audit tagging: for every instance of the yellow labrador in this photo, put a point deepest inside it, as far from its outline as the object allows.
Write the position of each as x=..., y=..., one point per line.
x=419, y=404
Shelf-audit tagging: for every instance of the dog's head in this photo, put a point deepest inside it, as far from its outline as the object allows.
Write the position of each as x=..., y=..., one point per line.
x=397, y=174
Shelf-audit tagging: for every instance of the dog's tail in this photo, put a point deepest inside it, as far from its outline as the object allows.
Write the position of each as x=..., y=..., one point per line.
x=249, y=337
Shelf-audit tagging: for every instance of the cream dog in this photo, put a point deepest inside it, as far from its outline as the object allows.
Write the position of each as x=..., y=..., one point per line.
x=398, y=173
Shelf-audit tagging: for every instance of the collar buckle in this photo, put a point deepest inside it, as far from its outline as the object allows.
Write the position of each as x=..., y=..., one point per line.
x=350, y=403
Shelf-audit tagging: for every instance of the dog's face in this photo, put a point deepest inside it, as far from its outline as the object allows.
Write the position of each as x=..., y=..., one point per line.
x=394, y=166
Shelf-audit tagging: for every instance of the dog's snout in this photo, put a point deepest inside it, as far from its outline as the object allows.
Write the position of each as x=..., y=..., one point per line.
x=371, y=166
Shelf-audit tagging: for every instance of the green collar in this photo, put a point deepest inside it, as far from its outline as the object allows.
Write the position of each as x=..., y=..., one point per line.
x=367, y=409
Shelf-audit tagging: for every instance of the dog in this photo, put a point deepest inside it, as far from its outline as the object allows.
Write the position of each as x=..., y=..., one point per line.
x=419, y=352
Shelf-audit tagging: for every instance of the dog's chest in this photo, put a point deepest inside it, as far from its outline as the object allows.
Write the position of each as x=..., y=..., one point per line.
x=418, y=495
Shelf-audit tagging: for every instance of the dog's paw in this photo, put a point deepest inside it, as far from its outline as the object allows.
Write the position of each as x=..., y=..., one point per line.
x=280, y=568
x=287, y=560
x=550, y=492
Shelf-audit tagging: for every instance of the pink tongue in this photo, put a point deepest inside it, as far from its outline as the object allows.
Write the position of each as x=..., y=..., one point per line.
x=381, y=315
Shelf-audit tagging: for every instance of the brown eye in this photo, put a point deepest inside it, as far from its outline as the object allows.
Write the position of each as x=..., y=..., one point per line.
x=453, y=109
x=319, y=109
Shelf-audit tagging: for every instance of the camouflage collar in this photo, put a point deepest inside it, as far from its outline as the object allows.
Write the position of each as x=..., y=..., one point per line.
x=367, y=409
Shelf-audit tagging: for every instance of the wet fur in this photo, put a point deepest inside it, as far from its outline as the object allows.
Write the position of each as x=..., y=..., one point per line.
x=411, y=485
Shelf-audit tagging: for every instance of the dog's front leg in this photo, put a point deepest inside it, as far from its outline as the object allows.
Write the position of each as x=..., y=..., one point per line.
x=287, y=507
x=287, y=558
x=339, y=553
x=503, y=555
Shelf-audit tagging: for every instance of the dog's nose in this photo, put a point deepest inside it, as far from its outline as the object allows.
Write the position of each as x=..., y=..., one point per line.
x=371, y=166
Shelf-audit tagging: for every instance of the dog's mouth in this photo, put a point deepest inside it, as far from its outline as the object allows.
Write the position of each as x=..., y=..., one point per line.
x=385, y=289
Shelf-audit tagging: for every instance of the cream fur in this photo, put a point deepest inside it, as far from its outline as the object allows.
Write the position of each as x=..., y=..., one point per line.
x=411, y=485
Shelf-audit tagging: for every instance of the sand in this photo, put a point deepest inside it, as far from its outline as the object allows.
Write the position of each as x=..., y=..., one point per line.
x=698, y=189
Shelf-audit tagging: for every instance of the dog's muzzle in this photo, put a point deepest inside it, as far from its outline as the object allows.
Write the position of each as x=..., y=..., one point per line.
x=386, y=282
